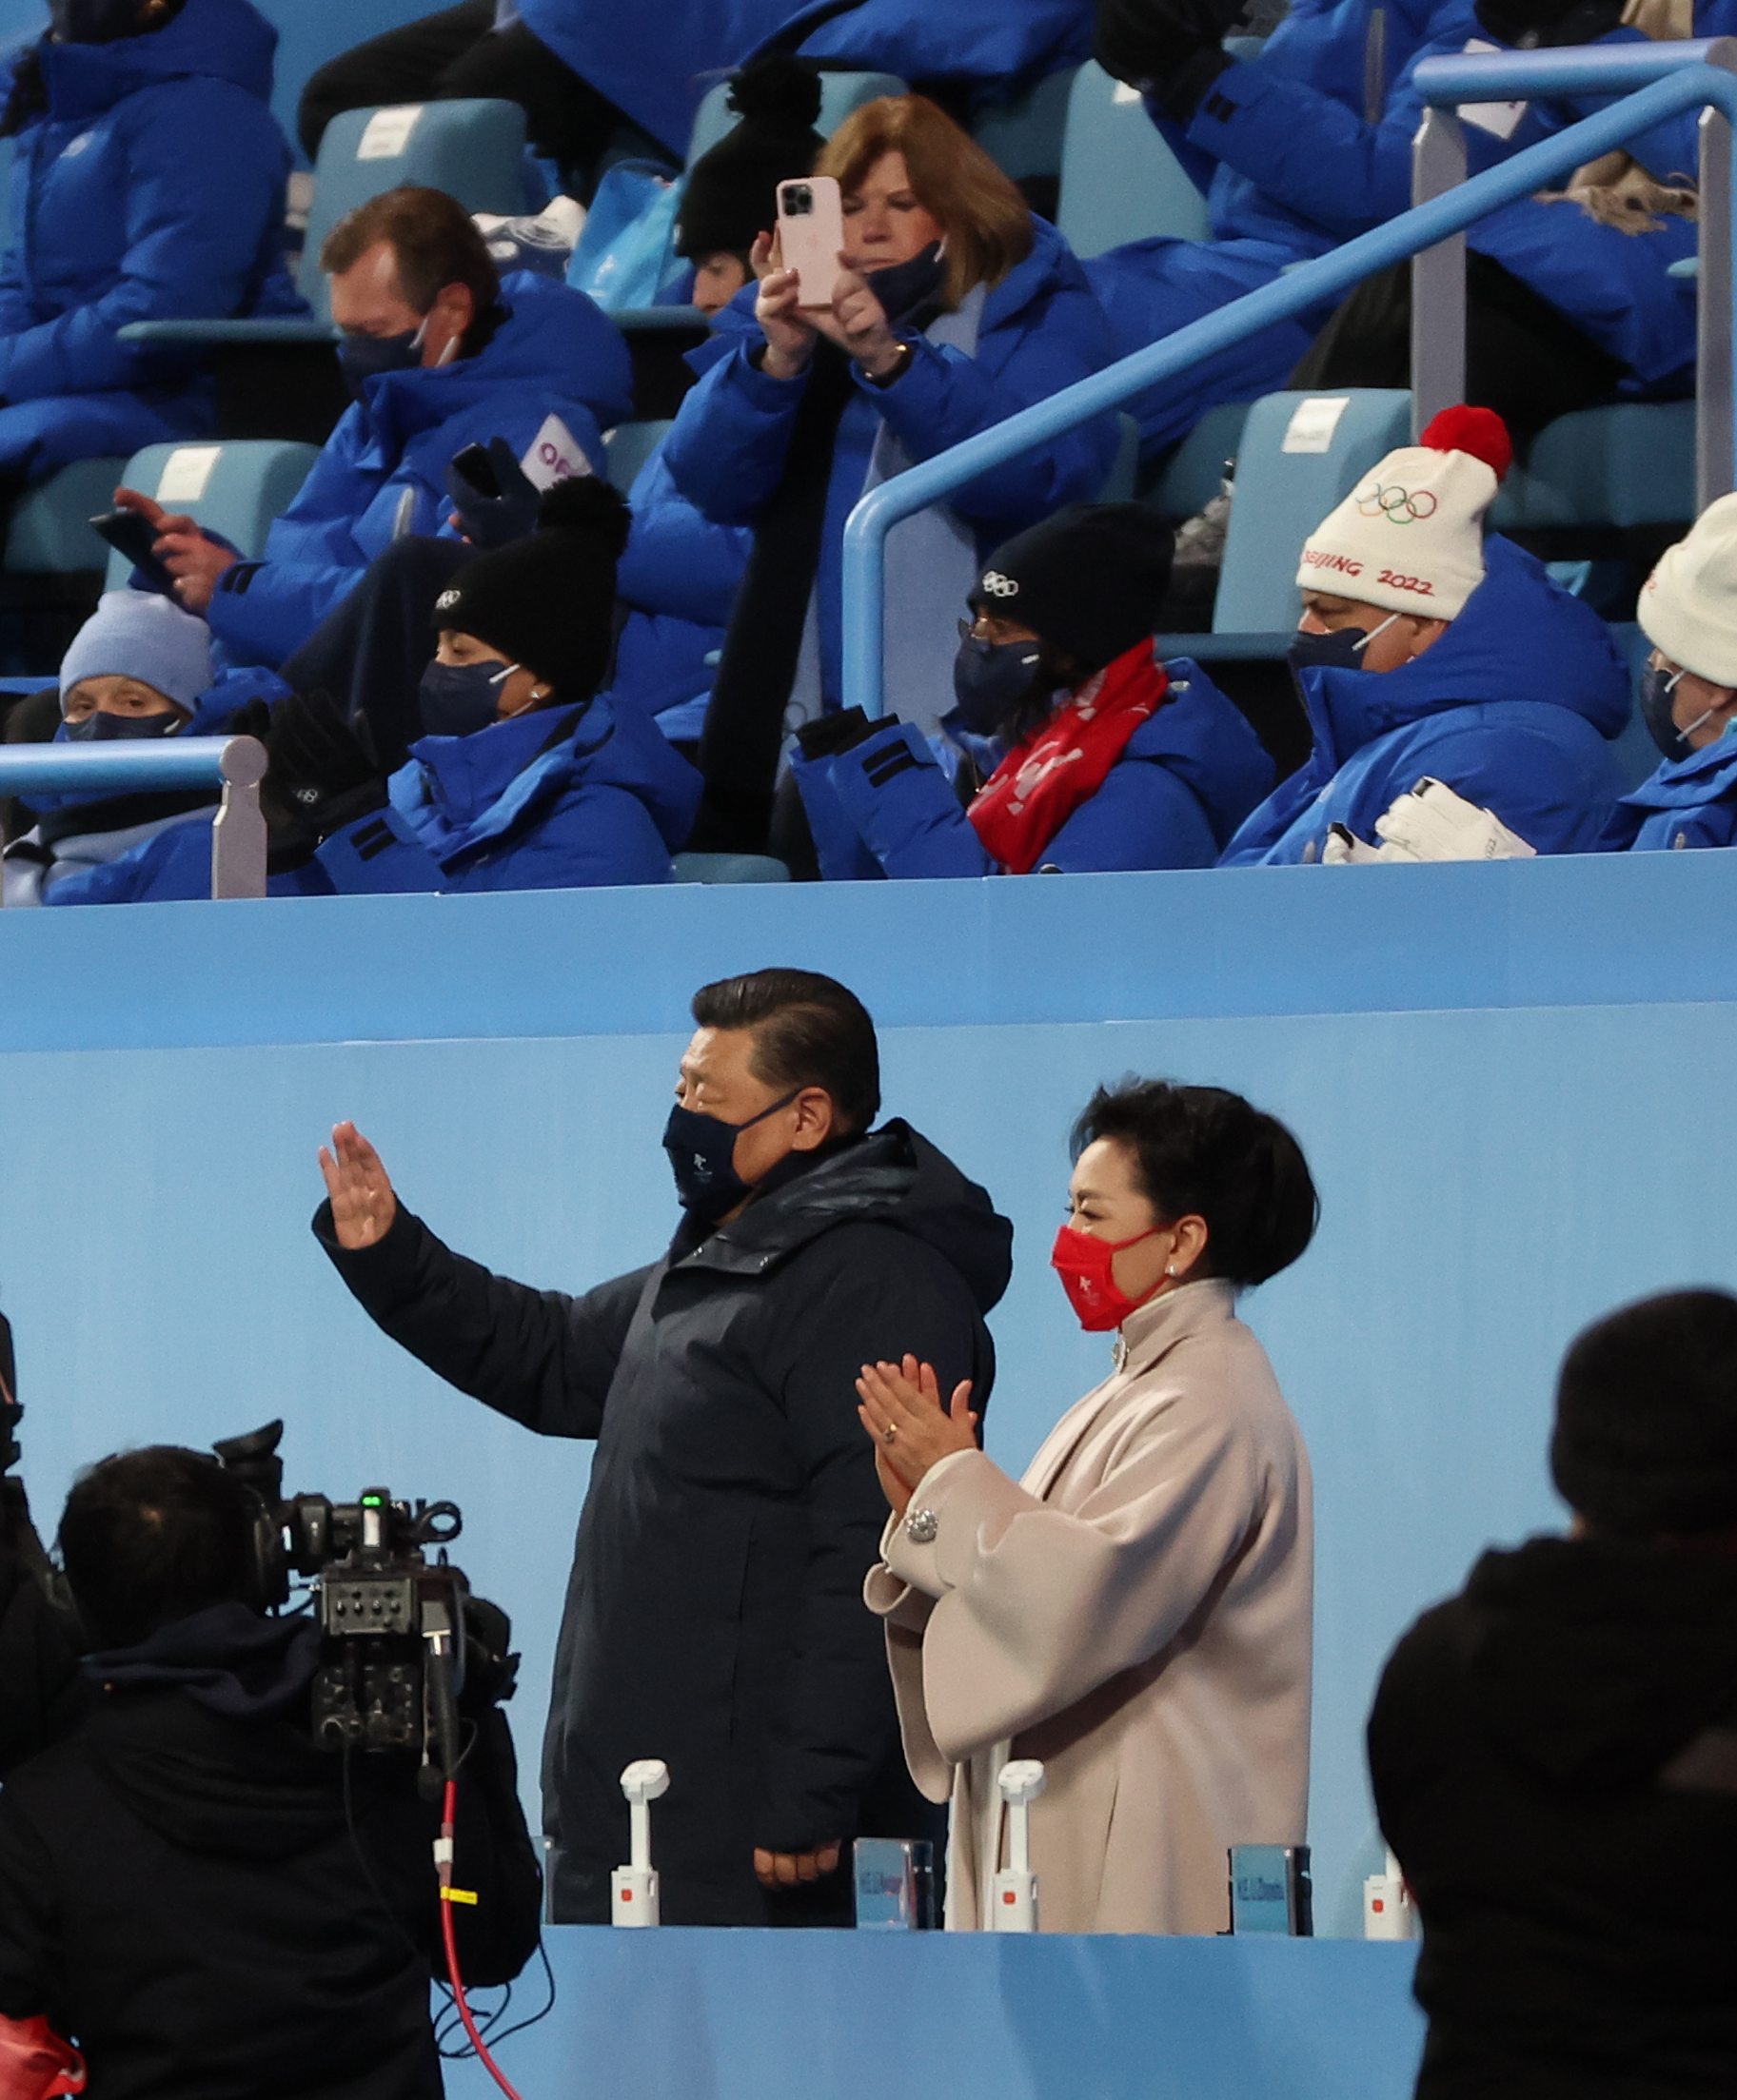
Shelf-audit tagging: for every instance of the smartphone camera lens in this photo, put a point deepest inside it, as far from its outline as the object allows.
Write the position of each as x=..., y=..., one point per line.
x=799, y=201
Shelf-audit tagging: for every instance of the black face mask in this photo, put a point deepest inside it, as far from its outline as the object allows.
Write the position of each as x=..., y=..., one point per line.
x=1658, y=697
x=104, y=729
x=457, y=699
x=95, y=21
x=906, y=288
x=990, y=678
x=1340, y=651
x=363, y=357
x=701, y=1153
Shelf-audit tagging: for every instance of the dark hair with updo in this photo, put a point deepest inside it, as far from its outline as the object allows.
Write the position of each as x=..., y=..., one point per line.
x=1205, y=1152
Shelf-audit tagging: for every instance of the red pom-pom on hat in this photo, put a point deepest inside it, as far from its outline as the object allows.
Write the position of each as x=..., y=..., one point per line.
x=1479, y=431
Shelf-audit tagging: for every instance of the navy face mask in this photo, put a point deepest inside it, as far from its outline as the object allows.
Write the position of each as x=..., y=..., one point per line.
x=990, y=678
x=94, y=21
x=1658, y=695
x=362, y=358
x=903, y=288
x=1340, y=651
x=104, y=729
x=457, y=699
x=701, y=1153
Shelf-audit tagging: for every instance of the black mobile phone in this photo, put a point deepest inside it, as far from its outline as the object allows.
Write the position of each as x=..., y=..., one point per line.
x=478, y=469
x=134, y=536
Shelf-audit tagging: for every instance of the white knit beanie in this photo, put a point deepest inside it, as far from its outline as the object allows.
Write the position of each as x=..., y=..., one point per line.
x=1409, y=537
x=1689, y=607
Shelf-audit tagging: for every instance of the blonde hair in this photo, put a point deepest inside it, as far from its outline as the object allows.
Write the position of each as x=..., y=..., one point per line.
x=987, y=224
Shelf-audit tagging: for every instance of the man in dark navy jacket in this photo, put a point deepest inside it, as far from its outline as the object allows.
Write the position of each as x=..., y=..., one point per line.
x=714, y=1617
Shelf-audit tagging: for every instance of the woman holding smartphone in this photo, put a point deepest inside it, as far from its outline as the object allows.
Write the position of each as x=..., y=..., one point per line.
x=952, y=307
x=1135, y=1611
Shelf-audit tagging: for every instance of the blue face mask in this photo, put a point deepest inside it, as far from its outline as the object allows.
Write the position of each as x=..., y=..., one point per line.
x=701, y=1153
x=906, y=288
x=457, y=699
x=103, y=729
x=362, y=358
x=990, y=678
x=1340, y=651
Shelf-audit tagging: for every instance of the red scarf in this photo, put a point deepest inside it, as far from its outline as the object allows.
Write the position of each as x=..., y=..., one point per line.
x=1044, y=780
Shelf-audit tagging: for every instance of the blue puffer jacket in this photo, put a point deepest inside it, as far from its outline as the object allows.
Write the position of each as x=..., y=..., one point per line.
x=1041, y=329
x=1687, y=802
x=1301, y=166
x=555, y=355
x=656, y=63
x=1186, y=778
x=678, y=580
x=152, y=190
x=1512, y=707
x=567, y=799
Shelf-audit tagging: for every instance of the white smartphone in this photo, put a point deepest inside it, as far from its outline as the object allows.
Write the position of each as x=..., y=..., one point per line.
x=811, y=233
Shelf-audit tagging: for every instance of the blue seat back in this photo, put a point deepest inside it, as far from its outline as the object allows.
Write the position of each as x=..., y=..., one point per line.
x=1120, y=179
x=50, y=529
x=473, y=151
x=629, y=446
x=1027, y=136
x=841, y=94
x=1301, y=455
x=1632, y=464
x=1194, y=474
x=235, y=489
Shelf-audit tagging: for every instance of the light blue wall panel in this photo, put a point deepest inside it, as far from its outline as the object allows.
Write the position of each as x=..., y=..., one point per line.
x=1492, y=1178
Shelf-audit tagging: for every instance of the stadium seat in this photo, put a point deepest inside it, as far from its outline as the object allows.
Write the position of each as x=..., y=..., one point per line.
x=629, y=446
x=1119, y=484
x=473, y=151
x=1120, y=179
x=840, y=94
x=50, y=530
x=1194, y=474
x=727, y=867
x=1632, y=464
x=234, y=489
x=1025, y=138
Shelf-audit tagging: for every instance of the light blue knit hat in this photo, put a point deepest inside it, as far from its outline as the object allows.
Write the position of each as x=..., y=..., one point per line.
x=141, y=634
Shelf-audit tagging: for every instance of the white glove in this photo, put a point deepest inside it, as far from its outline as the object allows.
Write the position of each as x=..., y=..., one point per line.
x=1345, y=849
x=1430, y=822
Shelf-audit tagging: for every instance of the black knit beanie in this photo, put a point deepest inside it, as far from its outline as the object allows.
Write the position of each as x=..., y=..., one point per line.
x=548, y=601
x=732, y=191
x=1088, y=580
x=1646, y=1438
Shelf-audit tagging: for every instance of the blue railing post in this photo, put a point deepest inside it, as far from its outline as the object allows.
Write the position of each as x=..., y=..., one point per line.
x=1667, y=79
x=235, y=764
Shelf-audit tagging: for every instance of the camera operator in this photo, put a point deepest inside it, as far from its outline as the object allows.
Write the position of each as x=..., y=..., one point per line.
x=206, y=1902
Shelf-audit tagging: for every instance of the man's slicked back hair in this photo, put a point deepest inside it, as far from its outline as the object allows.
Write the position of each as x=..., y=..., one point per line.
x=809, y=1031
x=434, y=241
x=152, y=1535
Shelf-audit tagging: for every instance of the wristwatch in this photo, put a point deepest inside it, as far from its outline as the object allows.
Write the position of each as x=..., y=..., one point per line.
x=897, y=370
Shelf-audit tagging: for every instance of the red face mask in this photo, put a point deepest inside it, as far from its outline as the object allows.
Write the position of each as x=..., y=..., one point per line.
x=1084, y=1264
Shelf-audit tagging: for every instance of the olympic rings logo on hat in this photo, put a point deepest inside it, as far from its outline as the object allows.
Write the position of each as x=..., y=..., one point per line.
x=1399, y=506
x=447, y=601
x=998, y=586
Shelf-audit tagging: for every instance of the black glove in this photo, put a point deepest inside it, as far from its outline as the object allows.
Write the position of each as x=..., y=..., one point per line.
x=323, y=774
x=829, y=734
x=1548, y=25
x=492, y=521
x=1147, y=43
x=491, y=1674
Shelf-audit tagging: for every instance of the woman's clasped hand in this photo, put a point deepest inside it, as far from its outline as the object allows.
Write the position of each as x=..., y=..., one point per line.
x=902, y=1409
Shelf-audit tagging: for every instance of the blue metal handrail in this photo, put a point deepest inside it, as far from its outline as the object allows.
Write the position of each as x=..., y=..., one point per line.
x=235, y=764
x=1672, y=78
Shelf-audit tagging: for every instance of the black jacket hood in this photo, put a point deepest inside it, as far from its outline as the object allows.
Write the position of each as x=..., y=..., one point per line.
x=196, y=1729
x=894, y=1176
x=1592, y=1661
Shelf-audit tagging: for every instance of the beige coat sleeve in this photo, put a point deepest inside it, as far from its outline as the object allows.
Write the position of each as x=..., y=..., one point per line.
x=1036, y=1606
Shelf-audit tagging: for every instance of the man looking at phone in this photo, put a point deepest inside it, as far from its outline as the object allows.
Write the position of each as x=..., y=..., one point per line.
x=440, y=354
x=713, y=1617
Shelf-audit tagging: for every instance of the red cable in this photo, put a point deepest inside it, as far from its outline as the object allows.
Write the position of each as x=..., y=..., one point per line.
x=448, y=1816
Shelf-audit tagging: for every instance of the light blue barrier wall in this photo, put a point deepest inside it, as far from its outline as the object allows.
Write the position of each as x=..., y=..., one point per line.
x=1513, y=1081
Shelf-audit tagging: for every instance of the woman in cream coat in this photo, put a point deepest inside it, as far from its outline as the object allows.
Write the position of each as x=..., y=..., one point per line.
x=1135, y=1612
